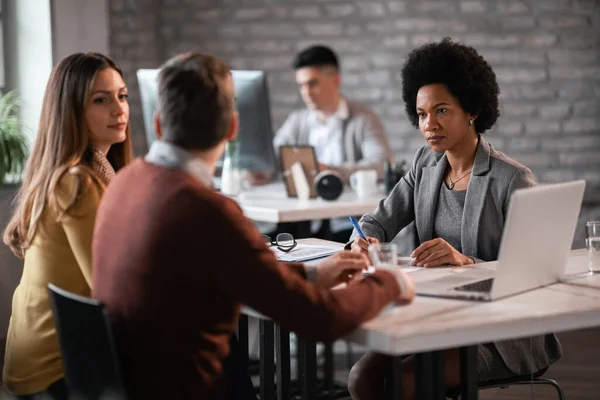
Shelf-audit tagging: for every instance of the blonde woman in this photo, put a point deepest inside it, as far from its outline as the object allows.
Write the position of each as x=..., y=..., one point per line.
x=83, y=138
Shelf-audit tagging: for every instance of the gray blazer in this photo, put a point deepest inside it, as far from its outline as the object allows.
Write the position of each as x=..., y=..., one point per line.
x=494, y=177
x=364, y=143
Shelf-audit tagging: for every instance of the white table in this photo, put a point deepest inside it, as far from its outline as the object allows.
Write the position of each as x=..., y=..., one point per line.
x=578, y=273
x=274, y=341
x=270, y=203
x=435, y=324
x=431, y=324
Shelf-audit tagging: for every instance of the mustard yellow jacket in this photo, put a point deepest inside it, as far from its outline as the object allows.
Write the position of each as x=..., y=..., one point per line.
x=60, y=254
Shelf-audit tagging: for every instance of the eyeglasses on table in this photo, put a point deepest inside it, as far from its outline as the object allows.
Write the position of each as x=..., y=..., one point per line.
x=284, y=241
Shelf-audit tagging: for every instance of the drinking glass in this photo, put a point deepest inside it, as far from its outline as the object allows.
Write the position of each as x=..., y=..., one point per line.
x=592, y=242
x=383, y=255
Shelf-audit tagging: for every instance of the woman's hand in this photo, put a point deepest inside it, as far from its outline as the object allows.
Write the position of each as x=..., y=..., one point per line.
x=360, y=245
x=340, y=268
x=436, y=252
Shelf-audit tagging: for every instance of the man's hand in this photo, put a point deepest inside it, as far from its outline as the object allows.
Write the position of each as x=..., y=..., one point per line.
x=360, y=245
x=436, y=252
x=340, y=268
x=256, y=178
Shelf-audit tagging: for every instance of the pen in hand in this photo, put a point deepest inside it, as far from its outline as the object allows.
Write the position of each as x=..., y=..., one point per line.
x=376, y=258
x=358, y=230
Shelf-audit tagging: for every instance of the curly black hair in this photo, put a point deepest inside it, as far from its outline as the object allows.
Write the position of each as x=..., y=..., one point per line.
x=465, y=73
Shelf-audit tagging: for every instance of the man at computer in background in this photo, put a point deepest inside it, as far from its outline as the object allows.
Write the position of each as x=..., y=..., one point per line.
x=347, y=136
x=173, y=259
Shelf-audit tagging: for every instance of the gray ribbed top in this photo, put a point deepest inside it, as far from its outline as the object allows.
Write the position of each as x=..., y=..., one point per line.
x=448, y=216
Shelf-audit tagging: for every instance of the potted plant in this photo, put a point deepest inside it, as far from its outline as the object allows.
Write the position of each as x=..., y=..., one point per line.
x=13, y=143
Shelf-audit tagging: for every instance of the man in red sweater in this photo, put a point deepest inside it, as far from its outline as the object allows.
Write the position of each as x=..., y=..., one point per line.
x=173, y=259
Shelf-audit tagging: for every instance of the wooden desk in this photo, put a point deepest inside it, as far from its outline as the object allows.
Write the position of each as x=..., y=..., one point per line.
x=270, y=203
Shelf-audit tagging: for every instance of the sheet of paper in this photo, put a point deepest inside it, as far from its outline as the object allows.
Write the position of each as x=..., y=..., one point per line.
x=410, y=268
x=405, y=261
x=304, y=252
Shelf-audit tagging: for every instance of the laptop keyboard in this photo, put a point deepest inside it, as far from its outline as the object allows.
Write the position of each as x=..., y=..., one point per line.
x=481, y=286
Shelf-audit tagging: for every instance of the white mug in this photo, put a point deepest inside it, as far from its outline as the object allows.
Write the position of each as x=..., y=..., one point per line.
x=364, y=183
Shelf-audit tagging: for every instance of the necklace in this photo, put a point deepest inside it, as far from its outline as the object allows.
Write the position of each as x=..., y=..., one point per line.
x=452, y=183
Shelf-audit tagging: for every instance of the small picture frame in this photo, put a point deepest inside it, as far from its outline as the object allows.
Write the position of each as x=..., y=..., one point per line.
x=305, y=155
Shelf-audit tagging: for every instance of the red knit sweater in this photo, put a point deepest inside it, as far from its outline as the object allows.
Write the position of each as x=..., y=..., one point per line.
x=173, y=260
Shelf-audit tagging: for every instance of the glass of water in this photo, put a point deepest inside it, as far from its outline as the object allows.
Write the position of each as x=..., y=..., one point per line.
x=383, y=255
x=592, y=242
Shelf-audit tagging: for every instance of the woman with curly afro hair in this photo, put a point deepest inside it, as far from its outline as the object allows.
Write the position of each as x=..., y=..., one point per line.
x=457, y=192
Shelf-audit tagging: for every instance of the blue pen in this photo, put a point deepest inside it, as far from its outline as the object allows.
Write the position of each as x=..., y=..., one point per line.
x=357, y=227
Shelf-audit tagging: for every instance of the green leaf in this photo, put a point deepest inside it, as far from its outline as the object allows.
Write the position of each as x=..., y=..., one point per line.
x=8, y=105
x=13, y=143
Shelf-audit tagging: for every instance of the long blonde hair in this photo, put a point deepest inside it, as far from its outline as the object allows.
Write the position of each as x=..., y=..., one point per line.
x=61, y=145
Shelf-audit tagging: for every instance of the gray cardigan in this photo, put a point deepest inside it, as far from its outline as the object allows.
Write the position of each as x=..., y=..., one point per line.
x=494, y=177
x=364, y=143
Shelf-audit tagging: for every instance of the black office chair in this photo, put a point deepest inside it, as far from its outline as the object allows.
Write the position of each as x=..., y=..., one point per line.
x=515, y=380
x=92, y=367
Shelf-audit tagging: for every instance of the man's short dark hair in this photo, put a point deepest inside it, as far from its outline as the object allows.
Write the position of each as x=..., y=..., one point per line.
x=465, y=73
x=316, y=56
x=195, y=103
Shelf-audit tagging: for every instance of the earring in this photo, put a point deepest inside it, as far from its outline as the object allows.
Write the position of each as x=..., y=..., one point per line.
x=470, y=122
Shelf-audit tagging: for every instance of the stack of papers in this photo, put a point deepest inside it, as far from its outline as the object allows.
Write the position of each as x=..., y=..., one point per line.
x=305, y=252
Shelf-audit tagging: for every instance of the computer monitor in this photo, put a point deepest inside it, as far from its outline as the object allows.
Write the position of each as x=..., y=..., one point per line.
x=148, y=83
x=255, y=132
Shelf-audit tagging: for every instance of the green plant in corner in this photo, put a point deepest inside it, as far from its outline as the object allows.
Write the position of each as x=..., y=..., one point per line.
x=13, y=143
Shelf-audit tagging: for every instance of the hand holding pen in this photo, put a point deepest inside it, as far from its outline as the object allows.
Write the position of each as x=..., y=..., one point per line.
x=361, y=243
x=405, y=283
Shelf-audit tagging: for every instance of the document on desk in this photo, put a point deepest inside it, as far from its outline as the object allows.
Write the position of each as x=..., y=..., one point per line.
x=305, y=252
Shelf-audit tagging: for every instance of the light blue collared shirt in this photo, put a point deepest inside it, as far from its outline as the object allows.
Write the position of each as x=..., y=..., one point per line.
x=170, y=155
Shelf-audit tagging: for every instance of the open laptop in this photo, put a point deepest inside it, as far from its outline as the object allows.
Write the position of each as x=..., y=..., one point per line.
x=535, y=245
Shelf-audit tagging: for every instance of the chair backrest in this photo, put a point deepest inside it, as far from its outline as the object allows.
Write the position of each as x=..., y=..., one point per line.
x=92, y=368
